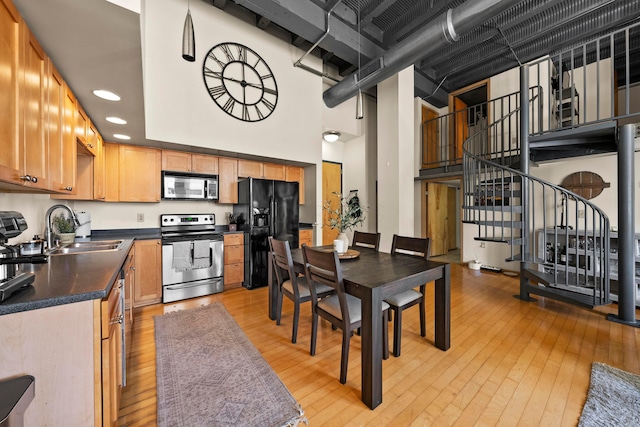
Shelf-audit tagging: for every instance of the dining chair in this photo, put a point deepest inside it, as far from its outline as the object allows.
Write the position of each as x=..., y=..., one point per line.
x=369, y=240
x=289, y=283
x=341, y=309
x=403, y=300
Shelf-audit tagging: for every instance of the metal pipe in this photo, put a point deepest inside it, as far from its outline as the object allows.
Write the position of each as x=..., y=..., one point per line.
x=446, y=30
x=299, y=64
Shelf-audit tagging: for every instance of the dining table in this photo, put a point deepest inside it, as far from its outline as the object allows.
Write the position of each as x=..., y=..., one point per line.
x=373, y=276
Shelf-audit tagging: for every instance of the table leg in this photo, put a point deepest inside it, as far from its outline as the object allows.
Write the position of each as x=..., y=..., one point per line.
x=443, y=309
x=372, y=348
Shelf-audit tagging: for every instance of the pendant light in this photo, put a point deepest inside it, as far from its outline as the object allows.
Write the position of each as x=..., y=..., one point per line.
x=359, y=98
x=188, y=38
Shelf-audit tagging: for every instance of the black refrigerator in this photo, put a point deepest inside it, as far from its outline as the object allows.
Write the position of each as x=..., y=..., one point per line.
x=268, y=208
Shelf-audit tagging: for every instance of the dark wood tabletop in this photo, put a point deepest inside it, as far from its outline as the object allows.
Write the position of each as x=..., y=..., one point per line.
x=373, y=276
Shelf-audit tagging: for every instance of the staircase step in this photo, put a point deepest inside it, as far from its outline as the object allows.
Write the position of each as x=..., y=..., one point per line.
x=505, y=209
x=505, y=239
x=603, y=132
x=564, y=295
x=502, y=224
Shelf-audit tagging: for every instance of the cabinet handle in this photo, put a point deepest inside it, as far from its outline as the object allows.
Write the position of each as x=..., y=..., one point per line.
x=119, y=319
x=27, y=178
x=68, y=188
x=90, y=145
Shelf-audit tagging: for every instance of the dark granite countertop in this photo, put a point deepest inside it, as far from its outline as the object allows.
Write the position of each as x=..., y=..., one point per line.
x=66, y=279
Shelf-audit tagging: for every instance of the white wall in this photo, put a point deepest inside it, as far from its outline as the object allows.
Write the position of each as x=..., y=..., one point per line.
x=178, y=108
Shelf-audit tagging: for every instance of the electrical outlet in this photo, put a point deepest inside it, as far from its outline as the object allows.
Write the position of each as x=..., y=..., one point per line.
x=482, y=244
x=140, y=217
x=580, y=213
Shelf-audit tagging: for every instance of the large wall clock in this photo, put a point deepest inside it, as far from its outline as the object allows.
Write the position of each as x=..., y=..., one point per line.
x=240, y=82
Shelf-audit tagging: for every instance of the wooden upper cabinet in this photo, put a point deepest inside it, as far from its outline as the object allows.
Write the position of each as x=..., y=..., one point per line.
x=139, y=177
x=81, y=124
x=296, y=174
x=248, y=168
x=33, y=105
x=112, y=172
x=204, y=163
x=228, y=180
x=53, y=132
x=69, y=143
x=99, y=171
x=10, y=24
x=273, y=171
x=176, y=161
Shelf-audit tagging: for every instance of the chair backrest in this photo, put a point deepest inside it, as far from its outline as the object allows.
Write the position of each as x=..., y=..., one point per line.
x=282, y=262
x=370, y=240
x=417, y=245
x=324, y=267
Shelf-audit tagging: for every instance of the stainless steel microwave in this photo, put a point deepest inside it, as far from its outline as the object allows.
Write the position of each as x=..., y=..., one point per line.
x=189, y=186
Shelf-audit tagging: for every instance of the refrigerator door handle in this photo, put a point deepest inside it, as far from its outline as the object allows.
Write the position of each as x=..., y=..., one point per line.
x=274, y=220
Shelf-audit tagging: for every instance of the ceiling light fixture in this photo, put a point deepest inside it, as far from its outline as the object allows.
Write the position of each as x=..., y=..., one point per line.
x=359, y=98
x=116, y=120
x=121, y=136
x=105, y=94
x=188, y=38
x=331, y=136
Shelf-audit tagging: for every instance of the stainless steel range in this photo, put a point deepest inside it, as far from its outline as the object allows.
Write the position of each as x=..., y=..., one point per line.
x=192, y=256
x=12, y=224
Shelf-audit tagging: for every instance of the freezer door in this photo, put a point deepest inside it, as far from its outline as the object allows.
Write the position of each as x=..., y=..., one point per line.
x=286, y=212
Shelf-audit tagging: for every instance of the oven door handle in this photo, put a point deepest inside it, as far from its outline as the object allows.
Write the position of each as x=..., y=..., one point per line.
x=182, y=286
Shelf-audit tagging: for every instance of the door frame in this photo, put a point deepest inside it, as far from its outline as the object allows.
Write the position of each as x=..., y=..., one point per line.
x=456, y=95
x=423, y=215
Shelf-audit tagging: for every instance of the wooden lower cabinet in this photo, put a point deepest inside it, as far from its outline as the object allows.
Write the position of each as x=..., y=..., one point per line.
x=305, y=237
x=233, y=260
x=111, y=319
x=148, y=272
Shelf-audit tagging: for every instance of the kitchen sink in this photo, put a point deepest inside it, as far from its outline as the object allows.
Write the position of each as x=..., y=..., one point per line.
x=85, y=247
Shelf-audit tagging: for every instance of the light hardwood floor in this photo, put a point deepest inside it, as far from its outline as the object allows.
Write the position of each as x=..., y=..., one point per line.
x=510, y=363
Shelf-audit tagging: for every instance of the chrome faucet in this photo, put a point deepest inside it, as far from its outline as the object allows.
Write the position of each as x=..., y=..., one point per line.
x=48, y=229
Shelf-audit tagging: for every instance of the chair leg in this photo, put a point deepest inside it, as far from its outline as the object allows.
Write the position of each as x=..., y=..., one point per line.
x=385, y=334
x=279, y=307
x=296, y=316
x=423, y=322
x=314, y=333
x=397, y=335
x=423, y=325
x=344, y=360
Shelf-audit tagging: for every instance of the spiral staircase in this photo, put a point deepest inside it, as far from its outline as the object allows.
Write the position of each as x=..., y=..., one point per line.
x=551, y=117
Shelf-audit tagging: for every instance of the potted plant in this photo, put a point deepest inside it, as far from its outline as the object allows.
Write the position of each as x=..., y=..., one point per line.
x=233, y=225
x=345, y=216
x=65, y=228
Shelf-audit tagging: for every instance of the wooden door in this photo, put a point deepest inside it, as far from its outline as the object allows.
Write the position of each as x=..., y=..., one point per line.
x=430, y=152
x=331, y=182
x=228, y=180
x=204, y=163
x=452, y=218
x=176, y=161
x=436, y=226
x=459, y=130
x=139, y=184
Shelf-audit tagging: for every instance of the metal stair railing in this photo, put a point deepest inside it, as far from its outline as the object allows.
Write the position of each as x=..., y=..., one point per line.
x=530, y=213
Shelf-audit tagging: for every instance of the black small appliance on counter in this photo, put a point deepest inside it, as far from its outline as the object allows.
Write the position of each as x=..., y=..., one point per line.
x=12, y=224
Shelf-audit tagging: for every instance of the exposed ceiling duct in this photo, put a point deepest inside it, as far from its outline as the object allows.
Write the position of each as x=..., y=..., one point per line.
x=419, y=45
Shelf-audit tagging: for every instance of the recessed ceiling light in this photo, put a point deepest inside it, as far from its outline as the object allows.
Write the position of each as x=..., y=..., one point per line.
x=121, y=136
x=117, y=120
x=105, y=94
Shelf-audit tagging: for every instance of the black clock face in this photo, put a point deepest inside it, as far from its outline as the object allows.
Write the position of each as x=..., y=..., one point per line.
x=240, y=82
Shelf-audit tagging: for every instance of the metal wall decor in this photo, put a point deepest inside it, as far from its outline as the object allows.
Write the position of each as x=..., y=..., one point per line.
x=240, y=82
x=585, y=184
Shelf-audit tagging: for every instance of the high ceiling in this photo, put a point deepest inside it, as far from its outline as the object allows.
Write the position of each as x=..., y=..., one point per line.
x=96, y=44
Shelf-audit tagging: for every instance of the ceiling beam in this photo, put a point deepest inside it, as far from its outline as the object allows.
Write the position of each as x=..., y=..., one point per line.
x=220, y=4
x=262, y=22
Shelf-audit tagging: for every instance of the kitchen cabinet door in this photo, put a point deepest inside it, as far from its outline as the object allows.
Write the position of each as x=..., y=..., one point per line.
x=204, y=163
x=99, y=173
x=112, y=172
x=248, y=168
x=273, y=171
x=176, y=161
x=10, y=24
x=296, y=174
x=139, y=179
x=69, y=144
x=33, y=96
x=305, y=237
x=53, y=133
x=228, y=180
x=148, y=272
x=233, y=260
